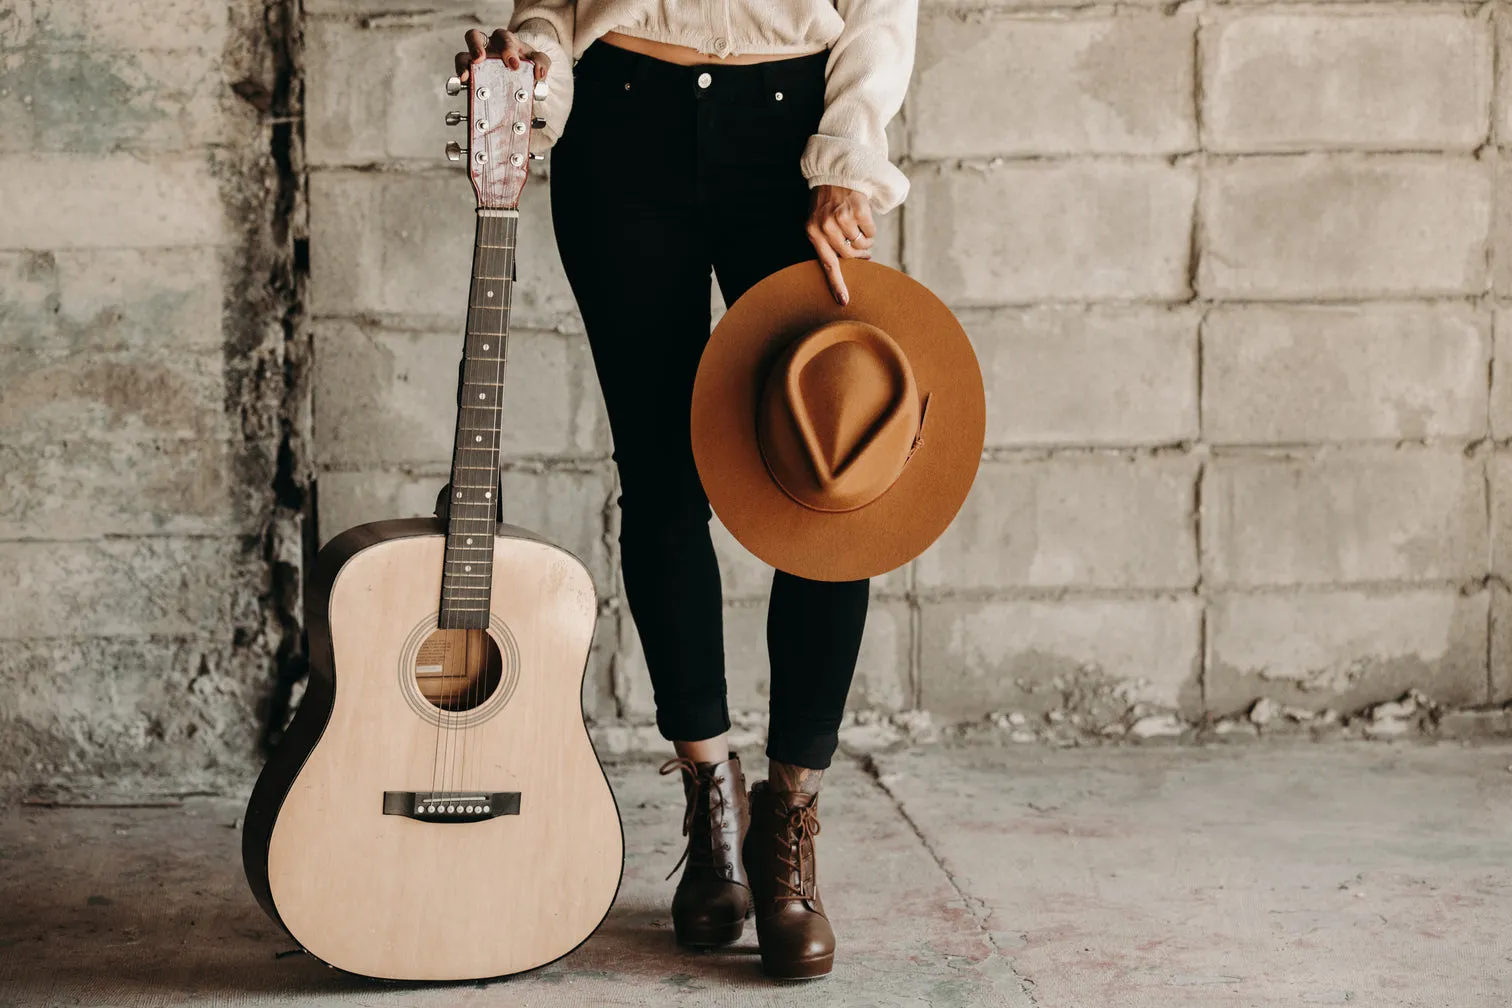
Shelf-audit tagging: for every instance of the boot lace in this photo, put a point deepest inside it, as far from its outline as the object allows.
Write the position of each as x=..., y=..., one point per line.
x=702, y=785
x=797, y=839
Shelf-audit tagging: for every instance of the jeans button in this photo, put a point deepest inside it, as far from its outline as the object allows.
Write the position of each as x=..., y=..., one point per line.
x=704, y=80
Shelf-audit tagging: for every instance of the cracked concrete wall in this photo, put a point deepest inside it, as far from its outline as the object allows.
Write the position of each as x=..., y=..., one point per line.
x=149, y=530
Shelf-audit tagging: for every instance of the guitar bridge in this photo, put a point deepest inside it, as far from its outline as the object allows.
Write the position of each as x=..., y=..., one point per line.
x=451, y=806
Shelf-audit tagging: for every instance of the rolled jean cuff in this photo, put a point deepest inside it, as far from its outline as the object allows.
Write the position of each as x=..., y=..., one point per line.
x=813, y=752
x=693, y=723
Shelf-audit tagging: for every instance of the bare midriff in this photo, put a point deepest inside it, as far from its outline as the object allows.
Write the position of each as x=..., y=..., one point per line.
x=687, y=55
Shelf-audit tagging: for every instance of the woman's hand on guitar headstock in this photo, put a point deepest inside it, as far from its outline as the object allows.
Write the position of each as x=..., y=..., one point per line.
x=503, y=44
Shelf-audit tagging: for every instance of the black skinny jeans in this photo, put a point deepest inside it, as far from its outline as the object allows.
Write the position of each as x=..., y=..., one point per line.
x=656, y=180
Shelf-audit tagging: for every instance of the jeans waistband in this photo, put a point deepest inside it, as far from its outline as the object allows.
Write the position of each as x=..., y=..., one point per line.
x=607, y=61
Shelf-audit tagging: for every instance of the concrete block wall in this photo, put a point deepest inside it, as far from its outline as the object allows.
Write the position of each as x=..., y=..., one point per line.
x=1232, y=272
x=148, y=563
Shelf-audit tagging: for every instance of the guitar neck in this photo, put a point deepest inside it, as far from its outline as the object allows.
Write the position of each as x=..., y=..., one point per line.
x=468, y=573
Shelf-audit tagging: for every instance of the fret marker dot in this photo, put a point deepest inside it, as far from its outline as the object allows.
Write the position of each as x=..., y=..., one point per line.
x=482, y=395
x=485, y=346
x=490, y=294
x=477, y=437
x=487, y=494
x=467, y=568
x=469, y=542
x=459, y=495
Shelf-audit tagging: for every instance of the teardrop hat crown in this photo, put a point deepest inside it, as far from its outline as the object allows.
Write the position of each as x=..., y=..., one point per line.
x=840, y=416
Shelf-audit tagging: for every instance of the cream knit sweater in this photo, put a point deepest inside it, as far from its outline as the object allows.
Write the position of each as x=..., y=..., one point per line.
x=871, y=45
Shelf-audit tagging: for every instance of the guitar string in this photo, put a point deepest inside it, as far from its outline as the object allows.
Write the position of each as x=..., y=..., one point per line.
x=466, y=700
x=507, y=238
x=480, y=262
x=492, y=233
x=444, y=732
x=480, y=259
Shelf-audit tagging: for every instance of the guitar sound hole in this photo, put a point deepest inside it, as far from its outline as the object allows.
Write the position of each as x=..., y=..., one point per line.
x=457, y=670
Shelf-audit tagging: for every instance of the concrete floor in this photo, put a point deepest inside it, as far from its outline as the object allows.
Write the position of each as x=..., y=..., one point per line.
x=1252, y=875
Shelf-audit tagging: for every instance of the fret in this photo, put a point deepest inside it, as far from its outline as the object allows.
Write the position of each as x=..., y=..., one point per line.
x=485, y=245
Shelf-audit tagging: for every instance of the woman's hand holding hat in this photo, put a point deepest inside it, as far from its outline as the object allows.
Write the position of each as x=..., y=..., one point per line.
x=840, y=226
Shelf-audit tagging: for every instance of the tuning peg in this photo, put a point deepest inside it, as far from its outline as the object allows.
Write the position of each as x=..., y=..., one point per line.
x=538, y=123
x=454, y=118
x=542, y=90
x=453, y=85
x=454, y=151
x=538, y=157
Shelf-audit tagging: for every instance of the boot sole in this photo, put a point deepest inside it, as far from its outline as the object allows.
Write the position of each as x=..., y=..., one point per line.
x=710, y=937
x=807, y=969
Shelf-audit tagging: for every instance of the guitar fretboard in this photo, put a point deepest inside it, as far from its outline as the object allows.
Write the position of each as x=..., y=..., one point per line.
x=468, y=573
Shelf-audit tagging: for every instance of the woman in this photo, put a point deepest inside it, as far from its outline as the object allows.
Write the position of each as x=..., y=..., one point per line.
x=738, y=136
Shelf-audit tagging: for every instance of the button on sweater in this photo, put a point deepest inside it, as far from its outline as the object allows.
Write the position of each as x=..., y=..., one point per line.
x=871, y=54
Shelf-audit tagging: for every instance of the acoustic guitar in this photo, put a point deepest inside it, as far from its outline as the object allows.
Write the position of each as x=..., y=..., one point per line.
x=435, y=810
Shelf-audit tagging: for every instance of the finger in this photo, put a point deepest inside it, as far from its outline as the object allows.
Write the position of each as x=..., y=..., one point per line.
x=513, y=51
x=542, y=64
x=463, y=61
x=498, y=42
x=856, y=224
x=837, y=241
x=864, y=220
x=477, y=43
x=830, y=262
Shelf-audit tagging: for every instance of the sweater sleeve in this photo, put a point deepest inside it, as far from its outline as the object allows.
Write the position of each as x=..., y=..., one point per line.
x=866, y=78
x=547, y=25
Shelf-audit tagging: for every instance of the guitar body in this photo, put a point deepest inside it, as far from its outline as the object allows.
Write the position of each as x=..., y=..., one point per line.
x=347, y=844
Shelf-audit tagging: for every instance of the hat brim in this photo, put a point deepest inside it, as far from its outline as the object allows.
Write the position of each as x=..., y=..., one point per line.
x=904, y=521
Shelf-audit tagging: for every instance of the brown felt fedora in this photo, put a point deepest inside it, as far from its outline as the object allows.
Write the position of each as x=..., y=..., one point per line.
x=834, y=442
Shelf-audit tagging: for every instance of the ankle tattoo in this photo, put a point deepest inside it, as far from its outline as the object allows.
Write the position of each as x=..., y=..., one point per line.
x=787, y=777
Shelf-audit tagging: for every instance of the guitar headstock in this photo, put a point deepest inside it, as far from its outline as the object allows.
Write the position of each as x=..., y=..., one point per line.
x=500, y=117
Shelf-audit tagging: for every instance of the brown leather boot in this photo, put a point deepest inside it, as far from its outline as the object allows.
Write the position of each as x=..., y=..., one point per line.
x=712, y=899
x=795, y=936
